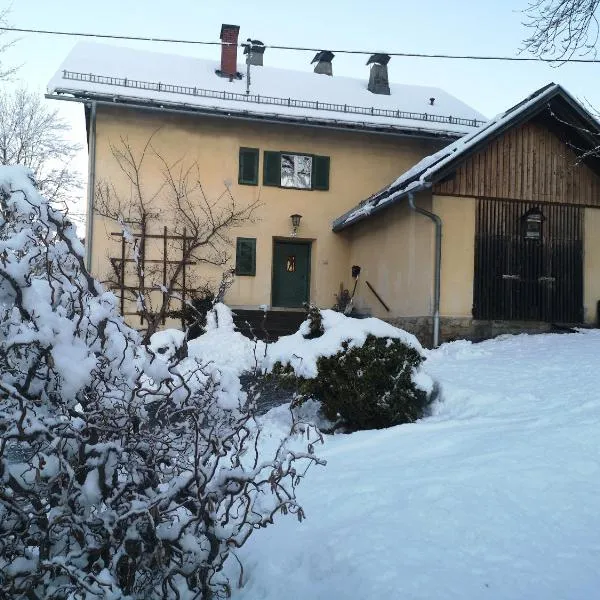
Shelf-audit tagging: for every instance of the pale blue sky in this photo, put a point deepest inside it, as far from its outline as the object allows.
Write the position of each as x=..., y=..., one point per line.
x=430, y=26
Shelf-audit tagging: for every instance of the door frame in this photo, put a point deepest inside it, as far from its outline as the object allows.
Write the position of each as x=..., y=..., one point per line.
x=291, y=240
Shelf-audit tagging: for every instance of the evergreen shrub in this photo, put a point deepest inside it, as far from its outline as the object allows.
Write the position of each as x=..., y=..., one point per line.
x=364, y=387
x=315, y=322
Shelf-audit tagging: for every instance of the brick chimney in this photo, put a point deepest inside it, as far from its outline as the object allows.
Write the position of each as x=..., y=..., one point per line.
x=229, y=39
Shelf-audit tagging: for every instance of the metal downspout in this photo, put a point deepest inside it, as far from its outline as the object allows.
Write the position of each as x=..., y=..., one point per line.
x=438, y=265
x=89, y=229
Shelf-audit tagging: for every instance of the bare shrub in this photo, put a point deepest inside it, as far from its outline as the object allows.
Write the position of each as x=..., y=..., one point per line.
x=123, y=474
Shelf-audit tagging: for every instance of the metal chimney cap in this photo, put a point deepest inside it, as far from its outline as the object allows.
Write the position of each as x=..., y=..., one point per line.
x=380, y=59
x=255, y=46
x=323, y=56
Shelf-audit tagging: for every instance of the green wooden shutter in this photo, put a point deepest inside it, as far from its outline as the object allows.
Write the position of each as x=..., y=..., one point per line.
x=271, y=168
x=320, y=173
x=248, y=167
x=245, y=256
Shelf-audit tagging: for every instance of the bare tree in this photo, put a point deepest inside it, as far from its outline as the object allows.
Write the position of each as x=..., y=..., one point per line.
x=6, y=72
x=562, y=28
x=198, y=234
x=35, y=136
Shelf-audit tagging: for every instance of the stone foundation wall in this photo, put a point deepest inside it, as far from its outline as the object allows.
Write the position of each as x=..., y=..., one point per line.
x=452, y=329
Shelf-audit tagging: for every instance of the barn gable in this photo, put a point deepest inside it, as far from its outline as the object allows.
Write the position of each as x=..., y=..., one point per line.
x=542, y=149
x=531, y=163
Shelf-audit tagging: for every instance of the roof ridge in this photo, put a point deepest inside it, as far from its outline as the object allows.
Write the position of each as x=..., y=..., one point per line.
x=267, y=67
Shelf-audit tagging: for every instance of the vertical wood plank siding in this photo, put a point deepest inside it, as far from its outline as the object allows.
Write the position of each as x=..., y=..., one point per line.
x=528, y=163
x=525, y=279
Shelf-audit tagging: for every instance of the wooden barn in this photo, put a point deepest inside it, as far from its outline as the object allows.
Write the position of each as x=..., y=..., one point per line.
x=513, y=213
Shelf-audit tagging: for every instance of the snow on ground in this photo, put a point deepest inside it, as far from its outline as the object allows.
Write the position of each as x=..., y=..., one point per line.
x=226, y=354
x=493, y=496
x=229, y=350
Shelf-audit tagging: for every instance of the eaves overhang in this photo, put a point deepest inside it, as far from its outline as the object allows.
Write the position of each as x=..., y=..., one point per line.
x=65, y=94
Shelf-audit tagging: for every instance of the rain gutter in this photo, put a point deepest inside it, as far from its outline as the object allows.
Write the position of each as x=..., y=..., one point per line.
x=89, y=230
x=167, y=107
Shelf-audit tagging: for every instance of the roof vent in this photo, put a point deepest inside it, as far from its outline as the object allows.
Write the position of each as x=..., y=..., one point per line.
x=254, y=51
x=323, y=60
x=378, y=77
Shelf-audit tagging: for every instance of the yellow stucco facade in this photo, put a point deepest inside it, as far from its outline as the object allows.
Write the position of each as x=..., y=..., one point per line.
x=394, y=249
x=360, y=163
x=458, y=254
x=591, y=264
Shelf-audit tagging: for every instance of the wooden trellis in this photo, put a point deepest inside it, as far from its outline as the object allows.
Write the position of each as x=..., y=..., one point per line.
x=119, y=263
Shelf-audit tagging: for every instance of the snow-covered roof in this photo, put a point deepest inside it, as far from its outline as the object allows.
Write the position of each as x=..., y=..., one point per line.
x=139, y=76
x=432, y=168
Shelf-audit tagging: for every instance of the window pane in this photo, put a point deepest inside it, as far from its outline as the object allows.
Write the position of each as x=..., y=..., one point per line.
x=296, y=171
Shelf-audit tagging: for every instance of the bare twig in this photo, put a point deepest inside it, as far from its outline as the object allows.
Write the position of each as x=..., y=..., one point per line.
x=198, y=232
x=562, y=28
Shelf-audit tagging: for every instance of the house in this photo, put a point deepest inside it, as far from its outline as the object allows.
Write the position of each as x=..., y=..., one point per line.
x=491, y=224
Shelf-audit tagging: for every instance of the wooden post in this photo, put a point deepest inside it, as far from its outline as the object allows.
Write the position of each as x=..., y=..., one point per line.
x=122, y=278
x=183, y=281
x=142, y=265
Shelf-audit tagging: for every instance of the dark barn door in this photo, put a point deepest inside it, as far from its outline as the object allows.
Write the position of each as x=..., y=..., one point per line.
x=528, y=262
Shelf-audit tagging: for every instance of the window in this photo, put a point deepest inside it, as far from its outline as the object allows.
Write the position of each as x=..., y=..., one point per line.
x=296, y=171
x=532, y=224
x=245, y=256
x=248, y=167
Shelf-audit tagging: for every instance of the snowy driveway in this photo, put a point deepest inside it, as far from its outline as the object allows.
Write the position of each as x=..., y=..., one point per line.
x=495, y=496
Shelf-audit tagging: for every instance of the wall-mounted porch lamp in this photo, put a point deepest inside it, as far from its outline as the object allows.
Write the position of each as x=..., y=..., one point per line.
x=295, y=223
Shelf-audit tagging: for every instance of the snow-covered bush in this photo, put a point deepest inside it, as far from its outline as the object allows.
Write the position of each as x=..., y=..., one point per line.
x=370, y=386
x=315, y=323
x=366, y=373
x=124, y=472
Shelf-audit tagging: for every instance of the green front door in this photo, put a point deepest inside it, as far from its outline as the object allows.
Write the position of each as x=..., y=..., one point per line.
x=291, y=273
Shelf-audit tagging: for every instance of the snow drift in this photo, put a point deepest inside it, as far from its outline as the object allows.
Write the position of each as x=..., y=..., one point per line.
x=494, y=496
